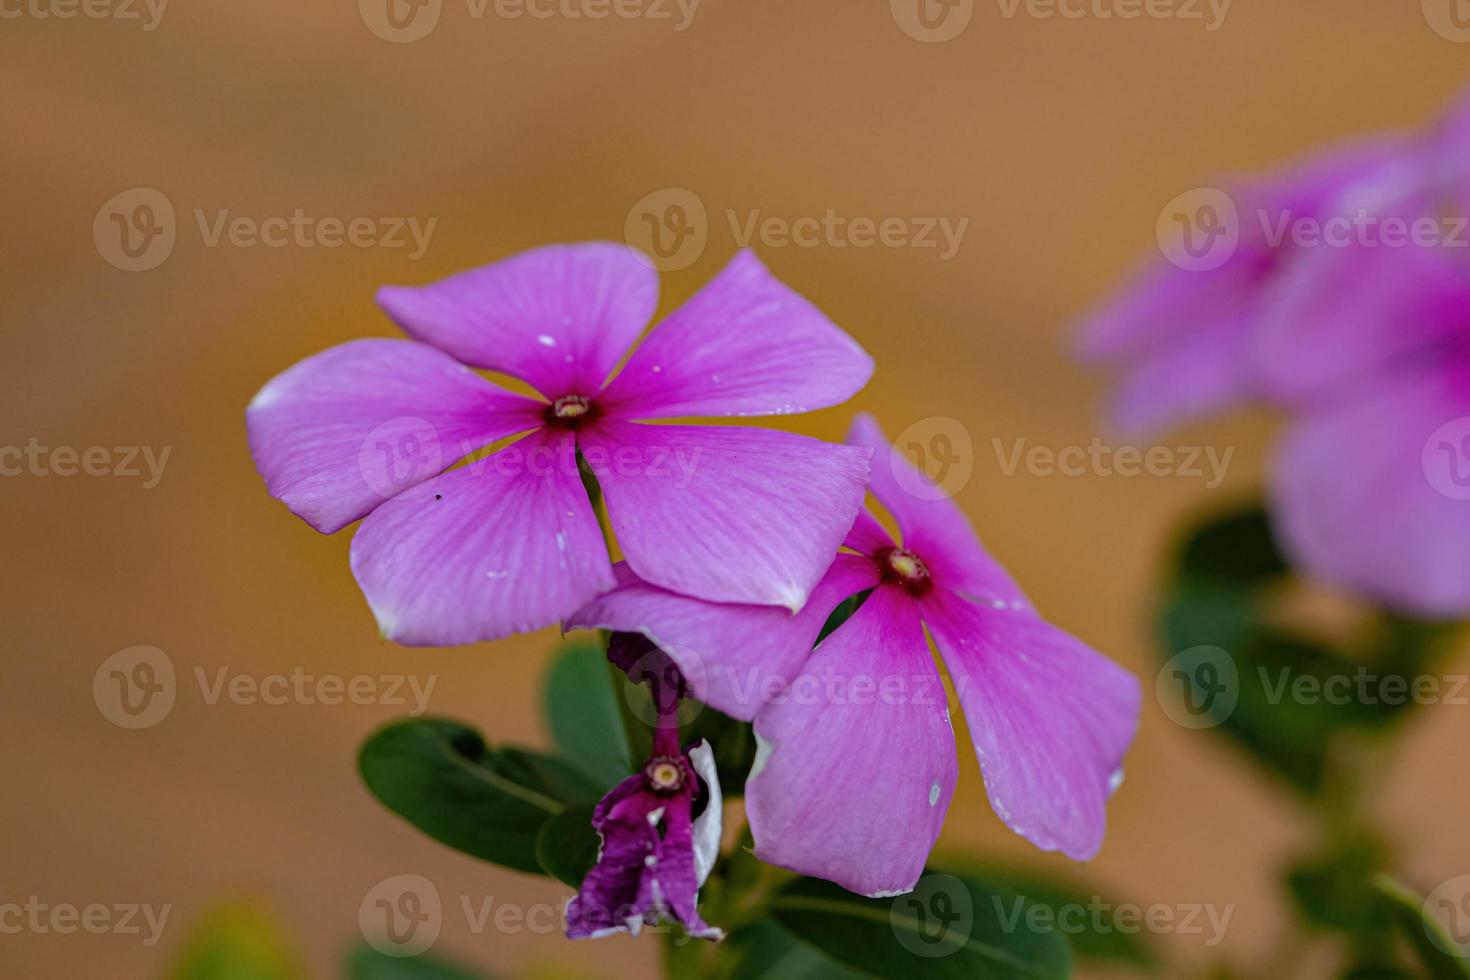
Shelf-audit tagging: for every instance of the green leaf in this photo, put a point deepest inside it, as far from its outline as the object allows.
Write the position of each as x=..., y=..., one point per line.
x=442, y=777
x=763, y=950
x=237, y=942
x=583, y=716
x=1335, y=890
x=366, y=963
x=568, y=846
x=844, y=611
x=1442, y=957
x=1237, y=550
x=733, y=744
x=948, y=927
x=1112, y=944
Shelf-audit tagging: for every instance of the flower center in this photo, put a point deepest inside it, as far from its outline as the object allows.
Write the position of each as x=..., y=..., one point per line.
x=907, y=569
x=571, y=412
x=664, y=774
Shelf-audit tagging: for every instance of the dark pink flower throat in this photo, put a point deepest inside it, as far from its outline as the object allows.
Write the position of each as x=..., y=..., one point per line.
x=903, y=567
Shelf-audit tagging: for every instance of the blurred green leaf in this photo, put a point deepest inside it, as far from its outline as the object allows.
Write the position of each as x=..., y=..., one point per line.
x=764, y=950
x=1102, y=941
x=949, y=927
x=567, y=846
x=1236, y=550
x=733, y=744
x=1335, y=890
x=442, y=777
x=1431, y=942
x=583, y=715
x=240, y=941
x=366, y=963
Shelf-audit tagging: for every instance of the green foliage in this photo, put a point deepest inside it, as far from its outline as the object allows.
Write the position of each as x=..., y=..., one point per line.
x=949, y=927
x=567, y=846
x=583, y=715
x=1441, y=956
x=442, y=777
x=366, y=963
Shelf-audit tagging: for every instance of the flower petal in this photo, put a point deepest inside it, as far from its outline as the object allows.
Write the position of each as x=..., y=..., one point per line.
x=745, y=344
x=1050, y=718
x=709, y=824
x=867, y=536
x=727, y=514
x=1370, y=494
x=733, y=656
x=856, y=766
x=933, y=526
x=557, y=317
x=342, y=431
x=502, y=545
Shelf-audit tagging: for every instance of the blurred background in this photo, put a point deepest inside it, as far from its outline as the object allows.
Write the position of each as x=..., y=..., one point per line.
x=1046, y=145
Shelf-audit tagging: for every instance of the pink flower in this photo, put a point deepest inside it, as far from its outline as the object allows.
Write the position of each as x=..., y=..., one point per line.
x=510, y=542
x=857, y=759
x=1362, y=335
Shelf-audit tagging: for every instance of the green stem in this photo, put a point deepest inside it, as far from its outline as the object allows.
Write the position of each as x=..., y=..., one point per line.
x=636, y=736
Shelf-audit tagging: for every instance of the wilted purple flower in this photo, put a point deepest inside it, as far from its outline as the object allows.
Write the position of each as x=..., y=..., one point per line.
x=857, y=761
x=510, y=542
x=655, y=854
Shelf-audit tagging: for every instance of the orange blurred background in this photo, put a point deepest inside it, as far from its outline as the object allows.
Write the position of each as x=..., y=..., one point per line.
x=1058, y=140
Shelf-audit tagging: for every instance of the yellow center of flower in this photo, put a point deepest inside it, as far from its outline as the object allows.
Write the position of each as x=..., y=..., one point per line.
x=571, y=407
x=665, y=775
x=907, y=569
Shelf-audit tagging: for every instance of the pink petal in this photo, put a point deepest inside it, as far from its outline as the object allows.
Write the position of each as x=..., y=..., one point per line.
x=1050, y=718
x=745, y=344
x=932, y=525
x=733, y=656
x=1371, y=493
x=726, y=514
x=557, y=317
x=1201, y=374
x=499, y=546
x=856, y=767
x=867, y=536
x=346, y=429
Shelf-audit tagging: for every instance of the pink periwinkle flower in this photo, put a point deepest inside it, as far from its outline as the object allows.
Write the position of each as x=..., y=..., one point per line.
x=1361, y=333
x=856, y=755
x=510, y=542
x=655, y=852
